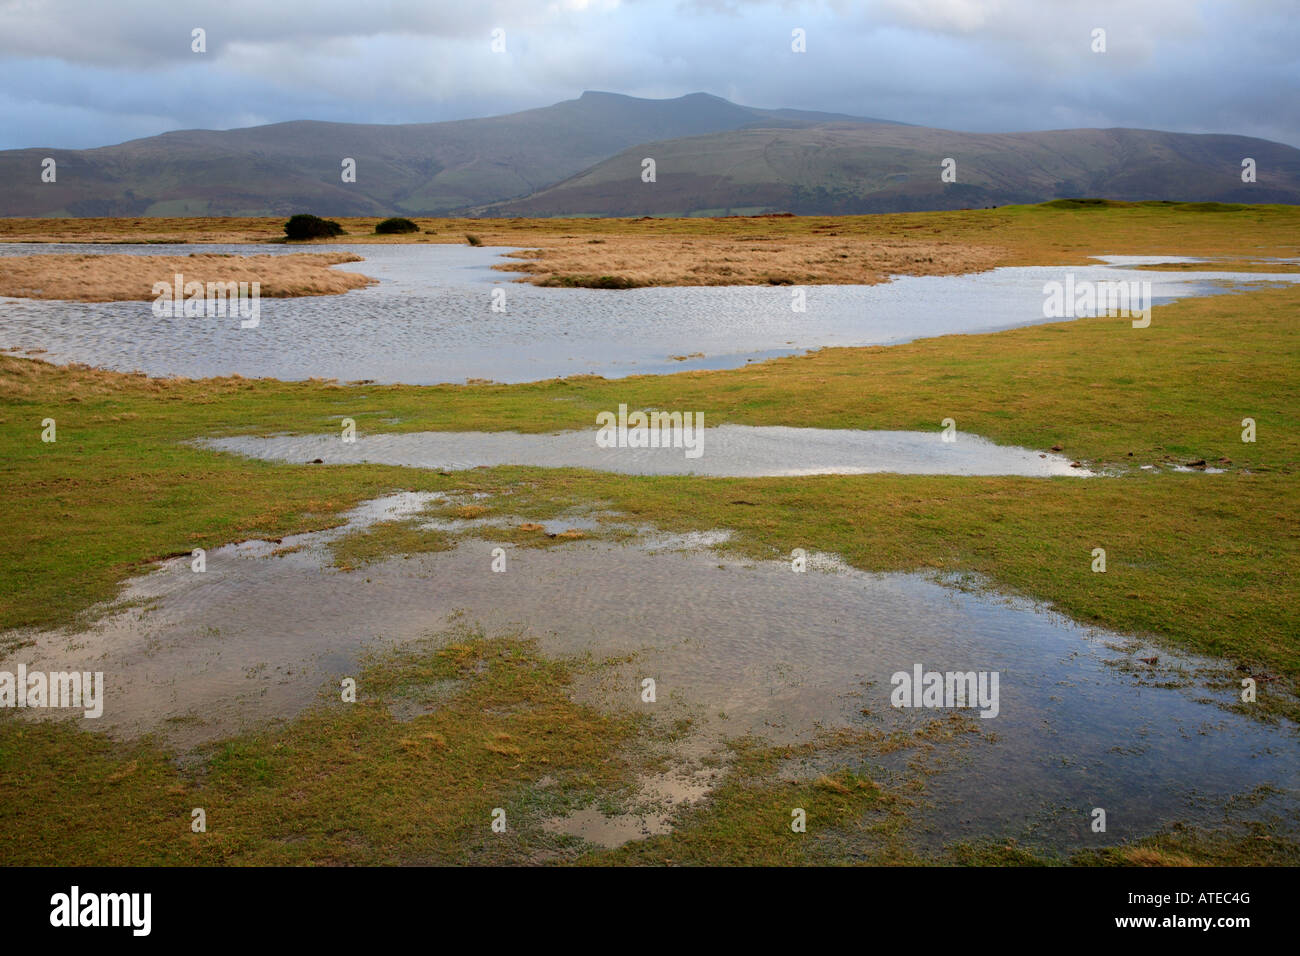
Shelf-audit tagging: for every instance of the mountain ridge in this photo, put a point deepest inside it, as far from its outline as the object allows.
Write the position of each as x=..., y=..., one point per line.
x=583, y=157
x=411, y=168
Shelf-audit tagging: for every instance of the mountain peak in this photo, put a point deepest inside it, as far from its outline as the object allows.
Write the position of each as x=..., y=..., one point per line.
x=685, y=97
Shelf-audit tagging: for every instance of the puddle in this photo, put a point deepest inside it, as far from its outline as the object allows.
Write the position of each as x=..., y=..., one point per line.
x=429, y=319
x=732, y=451
x=738, y=647
x=658, y=797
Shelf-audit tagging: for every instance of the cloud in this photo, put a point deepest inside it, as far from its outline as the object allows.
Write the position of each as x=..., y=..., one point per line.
x=82, y=72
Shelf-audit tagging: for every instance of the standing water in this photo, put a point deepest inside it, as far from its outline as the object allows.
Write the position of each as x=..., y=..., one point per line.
x=430, y=320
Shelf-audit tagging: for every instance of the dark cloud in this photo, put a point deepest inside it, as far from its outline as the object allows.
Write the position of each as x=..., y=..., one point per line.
x=81, y=73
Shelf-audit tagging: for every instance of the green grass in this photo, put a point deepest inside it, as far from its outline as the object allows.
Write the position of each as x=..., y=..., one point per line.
x=1202, y=561
x=342, y=784
x=356, y=549
x=747, y=821
x=352, y=784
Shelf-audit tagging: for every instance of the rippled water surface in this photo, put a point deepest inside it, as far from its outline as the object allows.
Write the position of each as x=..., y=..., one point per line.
x=430, y=320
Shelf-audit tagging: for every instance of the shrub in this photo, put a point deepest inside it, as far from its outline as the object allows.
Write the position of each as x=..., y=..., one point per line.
x=1081, y=203
x=395, y=225
x=305, y=226
x=473, y=240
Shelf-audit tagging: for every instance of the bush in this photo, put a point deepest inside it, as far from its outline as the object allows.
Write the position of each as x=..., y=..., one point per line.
x=395, y=225
x=304, y=226
x=473, y=240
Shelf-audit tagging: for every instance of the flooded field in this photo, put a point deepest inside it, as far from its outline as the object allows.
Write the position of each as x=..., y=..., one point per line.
x=431, y=319
x=1079, y=718
x=1085, y=718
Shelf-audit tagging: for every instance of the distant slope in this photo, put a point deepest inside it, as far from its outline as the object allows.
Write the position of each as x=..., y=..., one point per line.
x=864, y=167
x=418, y=169
x=583, y=157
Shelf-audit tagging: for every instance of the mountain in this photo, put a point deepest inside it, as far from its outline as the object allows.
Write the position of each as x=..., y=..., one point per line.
x=584, y=157
x=870, y=167
x=414, y=169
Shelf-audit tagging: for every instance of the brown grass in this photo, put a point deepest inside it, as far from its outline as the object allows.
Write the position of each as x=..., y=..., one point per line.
x=110, y=278
x=761, y=250
x=1152, y=856
x=706, y=260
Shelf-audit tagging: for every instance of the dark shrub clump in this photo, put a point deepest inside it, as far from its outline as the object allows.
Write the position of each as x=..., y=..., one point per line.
x=395, y=225
x=304, y=226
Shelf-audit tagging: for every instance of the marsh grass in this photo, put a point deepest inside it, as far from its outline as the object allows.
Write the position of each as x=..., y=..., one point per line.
x=1204, y=562
x=755, y=250
x=1198, y=562
x=342, y=784
x=364, y=546
x=87, y=277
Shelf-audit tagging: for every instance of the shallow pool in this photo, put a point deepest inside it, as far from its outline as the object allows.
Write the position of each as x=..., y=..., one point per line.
x=430, y=319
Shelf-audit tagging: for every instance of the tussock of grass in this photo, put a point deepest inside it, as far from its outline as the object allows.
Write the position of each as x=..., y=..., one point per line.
x=590, y=282
x=386, y=539
x=84, y=277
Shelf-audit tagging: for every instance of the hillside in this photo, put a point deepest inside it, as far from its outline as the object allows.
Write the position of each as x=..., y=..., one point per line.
x=862, y=167
x=584, y=157
x=417, y=169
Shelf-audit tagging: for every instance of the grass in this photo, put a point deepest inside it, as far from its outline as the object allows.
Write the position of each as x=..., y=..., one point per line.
x=761, y=250
x=748, y=820
x=85, y=277
x=358, y=548
x=353, y=784
x=590, y=282
x=1201, y=561
x=343, y=784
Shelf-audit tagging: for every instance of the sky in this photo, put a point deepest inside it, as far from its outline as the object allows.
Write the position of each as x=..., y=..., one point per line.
x=84, y=73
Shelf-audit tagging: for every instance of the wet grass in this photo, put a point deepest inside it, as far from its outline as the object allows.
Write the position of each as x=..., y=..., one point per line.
x=1222, y=265
x=1242, y=844
x=352, y=784
x=751, y=819
x=527, y=535
x=343, y=784
x=1204, y=562
x=1200, y=562
x=384, y=539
